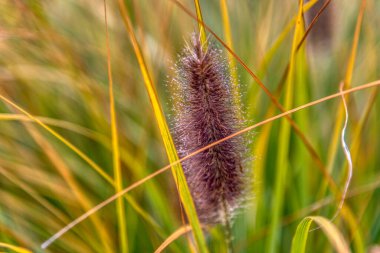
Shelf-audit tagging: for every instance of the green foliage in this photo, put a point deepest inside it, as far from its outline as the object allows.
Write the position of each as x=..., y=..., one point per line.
x=61, y=136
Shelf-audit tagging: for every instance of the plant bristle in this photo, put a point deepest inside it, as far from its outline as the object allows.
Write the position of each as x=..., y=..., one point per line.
x=205, y=113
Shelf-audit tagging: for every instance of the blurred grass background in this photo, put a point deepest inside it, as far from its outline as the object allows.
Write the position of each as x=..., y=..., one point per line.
x=53, y=63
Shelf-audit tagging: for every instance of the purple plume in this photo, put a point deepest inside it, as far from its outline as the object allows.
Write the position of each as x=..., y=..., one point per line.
x=204, y=113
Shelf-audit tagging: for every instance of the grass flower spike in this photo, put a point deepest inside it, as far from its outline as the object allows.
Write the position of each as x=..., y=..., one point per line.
x=204, y=113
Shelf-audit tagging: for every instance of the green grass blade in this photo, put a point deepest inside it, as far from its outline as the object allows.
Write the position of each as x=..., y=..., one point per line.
x=332, y=233
x=283, y=150
x=281, y=38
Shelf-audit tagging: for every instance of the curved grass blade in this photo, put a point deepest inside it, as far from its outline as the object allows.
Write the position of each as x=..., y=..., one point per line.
x=348, y=158
x=163, y=169
x=333, y=147
x=64, y=170
x=332, y=233
x=61, y=138
x=178, y=233
x=102, y=139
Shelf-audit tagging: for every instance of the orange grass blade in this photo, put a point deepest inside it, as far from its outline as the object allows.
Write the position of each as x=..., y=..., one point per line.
x=158, y=172
x=178, y=233
x=267, y=92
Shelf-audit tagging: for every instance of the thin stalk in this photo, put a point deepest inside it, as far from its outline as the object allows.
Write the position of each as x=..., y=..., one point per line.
x=167, y=167
x=123, y=238
x=202, y=31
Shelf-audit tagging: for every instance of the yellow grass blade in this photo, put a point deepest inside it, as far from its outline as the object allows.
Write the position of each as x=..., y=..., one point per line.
x=61, y=138
x=261, y=143
x=54, y=122
x=95, y=136
x=280, y=39
x=177, y=171
x=14, y=248
x=39, y=121
x=228, y=39
x=265, y=89
x=202, y=30
x=123, y=238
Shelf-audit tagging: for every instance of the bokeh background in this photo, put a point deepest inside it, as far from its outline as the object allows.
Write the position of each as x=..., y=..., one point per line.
x=53, y=64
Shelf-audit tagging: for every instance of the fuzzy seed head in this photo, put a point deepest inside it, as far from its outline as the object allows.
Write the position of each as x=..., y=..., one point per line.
x=205, y=112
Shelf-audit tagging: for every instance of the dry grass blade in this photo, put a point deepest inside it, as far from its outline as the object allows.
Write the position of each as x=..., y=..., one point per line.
x=88, y=133
x=267, y=92
x=178, y=233
x=61, y=138
x=57, y=123
x=158, y=172
x=101, y=88
x=75, y=187
x=347, y=154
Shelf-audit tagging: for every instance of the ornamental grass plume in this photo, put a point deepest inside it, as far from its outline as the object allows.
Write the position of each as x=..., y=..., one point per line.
x=205, y=112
